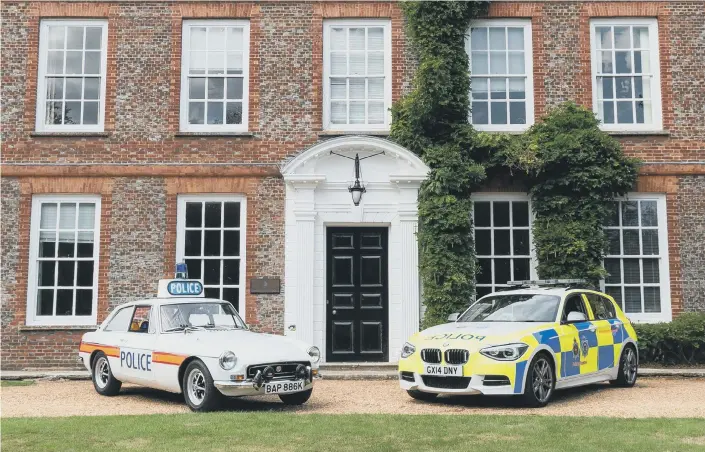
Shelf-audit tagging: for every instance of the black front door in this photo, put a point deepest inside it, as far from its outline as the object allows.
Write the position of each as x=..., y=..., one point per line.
x=357, y=316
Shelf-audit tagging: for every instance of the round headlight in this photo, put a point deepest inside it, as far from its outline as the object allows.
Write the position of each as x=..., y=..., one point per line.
x=227, y=360
x=315, y=354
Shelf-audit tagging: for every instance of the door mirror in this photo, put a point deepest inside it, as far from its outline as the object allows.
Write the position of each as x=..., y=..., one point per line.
x=576, y=316
x=453, y=317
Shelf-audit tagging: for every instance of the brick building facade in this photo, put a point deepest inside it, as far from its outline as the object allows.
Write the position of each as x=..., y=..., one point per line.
x=145, y=149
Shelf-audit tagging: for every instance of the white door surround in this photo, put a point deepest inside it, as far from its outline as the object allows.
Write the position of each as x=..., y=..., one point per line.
x=317, y=196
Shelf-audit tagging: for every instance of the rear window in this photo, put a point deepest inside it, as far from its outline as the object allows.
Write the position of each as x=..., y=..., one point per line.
x=121, y=320
x=602, y=308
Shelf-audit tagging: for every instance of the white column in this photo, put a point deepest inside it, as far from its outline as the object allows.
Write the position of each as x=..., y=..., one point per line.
x=408, y=226
x=300, y=301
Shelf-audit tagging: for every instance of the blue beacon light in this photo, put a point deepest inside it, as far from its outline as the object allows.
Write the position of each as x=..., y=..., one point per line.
x=181, y=271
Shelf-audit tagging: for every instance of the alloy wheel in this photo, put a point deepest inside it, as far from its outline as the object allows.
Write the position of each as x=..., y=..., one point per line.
x=542, y=380
x=630, y=365
x=102, y=372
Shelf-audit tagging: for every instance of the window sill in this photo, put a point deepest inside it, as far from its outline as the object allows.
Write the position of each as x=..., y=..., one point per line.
x=214, y=134
x=69, y=134
x=58, y=327
x=342, y=133
x=636, y=133
x=504, y=132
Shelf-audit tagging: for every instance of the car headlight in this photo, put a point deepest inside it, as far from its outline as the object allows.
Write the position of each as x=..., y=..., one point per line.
x=407, y=350
x=508, y=352
x=315, y=354
x=227, y=360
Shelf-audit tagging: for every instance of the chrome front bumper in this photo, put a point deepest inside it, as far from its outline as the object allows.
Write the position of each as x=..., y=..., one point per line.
x=248, y=388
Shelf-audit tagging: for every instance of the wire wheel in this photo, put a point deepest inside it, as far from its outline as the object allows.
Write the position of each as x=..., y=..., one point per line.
x=630, y=365
x=542, y=380
x=102, y=372
x=196, y=386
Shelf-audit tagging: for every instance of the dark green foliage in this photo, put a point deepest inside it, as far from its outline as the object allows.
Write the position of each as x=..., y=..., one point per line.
x=432, y=121
x=577, y=171
x=572, y=167
x=681, y=342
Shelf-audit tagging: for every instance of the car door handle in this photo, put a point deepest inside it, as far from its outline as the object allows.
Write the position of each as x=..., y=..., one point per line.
x=123, y=340
x=592, y=328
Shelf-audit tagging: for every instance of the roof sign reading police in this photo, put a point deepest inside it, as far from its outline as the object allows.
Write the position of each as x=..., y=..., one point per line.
x=184, y=287
x=180, y=288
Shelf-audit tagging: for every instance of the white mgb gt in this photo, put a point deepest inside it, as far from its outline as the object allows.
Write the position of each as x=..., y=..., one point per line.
x=181, y=342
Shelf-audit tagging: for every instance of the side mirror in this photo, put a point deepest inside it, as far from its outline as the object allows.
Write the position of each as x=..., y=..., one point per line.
x=453, y=317
x=576, y=316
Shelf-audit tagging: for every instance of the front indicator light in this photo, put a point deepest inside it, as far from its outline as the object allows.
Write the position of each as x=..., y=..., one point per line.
x=407, y=350
x=508, y=352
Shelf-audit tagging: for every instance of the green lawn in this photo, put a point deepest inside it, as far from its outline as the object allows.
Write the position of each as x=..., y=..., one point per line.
x=296, y=432
x=4, y=383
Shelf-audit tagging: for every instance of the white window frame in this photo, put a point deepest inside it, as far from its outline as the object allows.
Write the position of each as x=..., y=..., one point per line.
x=656, y=105
x=184, y=98
x=40, y=112
x=504, y=197
x=383, y=23
x=528, y=67
x=664, y=272
x=32, y=318
x=181, y=228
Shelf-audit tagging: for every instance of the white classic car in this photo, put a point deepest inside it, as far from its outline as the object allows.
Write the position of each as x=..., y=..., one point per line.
x=181, y=342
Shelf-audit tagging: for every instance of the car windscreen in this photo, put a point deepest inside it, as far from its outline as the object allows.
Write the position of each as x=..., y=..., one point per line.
x=513, y=308
x=211, y=315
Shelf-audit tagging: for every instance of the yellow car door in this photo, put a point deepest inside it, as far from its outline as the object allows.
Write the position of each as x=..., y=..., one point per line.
x=578, y=337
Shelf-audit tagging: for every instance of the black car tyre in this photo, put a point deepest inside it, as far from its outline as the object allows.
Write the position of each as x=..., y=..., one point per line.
x=200, y=393
x=297, y=398
x=423, y=396
x=540, y=382
x=628, y=367
x=104, y=381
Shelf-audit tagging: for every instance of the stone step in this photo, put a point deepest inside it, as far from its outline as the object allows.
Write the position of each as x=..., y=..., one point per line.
x=359, y=367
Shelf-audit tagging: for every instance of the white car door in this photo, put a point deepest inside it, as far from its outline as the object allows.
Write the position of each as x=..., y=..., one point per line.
x=112, y=337
x=137, y=347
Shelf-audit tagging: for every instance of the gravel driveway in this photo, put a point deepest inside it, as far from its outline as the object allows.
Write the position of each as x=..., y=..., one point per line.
x=653, y=397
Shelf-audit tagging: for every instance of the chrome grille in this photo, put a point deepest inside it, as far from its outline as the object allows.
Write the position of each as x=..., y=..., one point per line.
x=431, y=355
x=456, y=356
x=287, y=372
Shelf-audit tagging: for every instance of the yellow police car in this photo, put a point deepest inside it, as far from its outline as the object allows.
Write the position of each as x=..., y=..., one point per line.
x=527, y=341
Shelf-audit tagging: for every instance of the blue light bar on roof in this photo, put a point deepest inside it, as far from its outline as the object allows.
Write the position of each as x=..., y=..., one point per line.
x=181, y=271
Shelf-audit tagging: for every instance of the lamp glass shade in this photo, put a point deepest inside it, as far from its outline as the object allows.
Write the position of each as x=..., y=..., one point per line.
x=356, y=193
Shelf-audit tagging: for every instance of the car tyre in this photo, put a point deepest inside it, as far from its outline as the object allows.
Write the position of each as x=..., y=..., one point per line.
x=422, y=396
x=104, y=381
x=540, y=382
x=199, y=391
x=628, y=368
x=297, y=398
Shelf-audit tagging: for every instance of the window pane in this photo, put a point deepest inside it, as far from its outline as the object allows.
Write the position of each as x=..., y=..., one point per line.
x=521, y=242
x=211, y=246
x=614, y=271
x=198, y=38
x=651, y=271
x=482, y=213
x=46, y=273
x=521, y=269
x=375, y=38
x=630, y=215
x=632, y=299
x=623, y=62
x=616, y=293
x=233, y=296
x=215, y=112
x=357, y=113
x=606, y=64
x=648, y=213
x=234, y=39
x=499, y=112
x=67, y=218
x=193, y=214
x=211, y=271
x=92, y=63
x=652, y=299
x=375, y=88
x=479, y=63
x=375, y=63
x=213, y=214
x=520, y=213
x=47, y=244
x=613, y=242
x=64, y=302
x=45, y=302
x=480, y=113
x=356, y=39
x=85, y=244
x=501, y=242
x=516, y=63
x=479, y=88
x=498, y=88
x=74, y=62
x=91, y=88
x=232, y=214
x=338, y=39
x=194, y=268
x=497, y=38
x=498, y=63
x=216, y=88
x=84, y=275
x=197, y=88
x=339, y=112
x=233, y=113
x=375, y=112
x=630, y=238
x=216, y=38
x=55, y=62
x=216, y=63
x=235, y=88
x=604, y=37
x=231, y=271
x=516, y=38
x=478, y=38
x=516, y=88
x=84, y=302
x=55, y=87
x=196, y=112
x=72, y=113
x=67, y=241
x=235, y=63
x=517, y=113
x=500, y=213
x=356, y=63
x=649, y=242
x=632, y=273
x=197, y=62
x=192, y=243
x=73, y=87
x=608, y=112
x=483, y=242
x=48, y=216
x=74, y=37
x=338, y=63
x=56, y=37
x=54, y=113
x=90, y=112
x=231, y=243
x=484, y=275
x=66, y=273
x=357, y=88
x=502, y=272
x=93, y=37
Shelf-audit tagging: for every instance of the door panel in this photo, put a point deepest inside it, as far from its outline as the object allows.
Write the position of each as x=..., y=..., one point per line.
x=609, y=331
x=579, y=339
x=356, y=298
